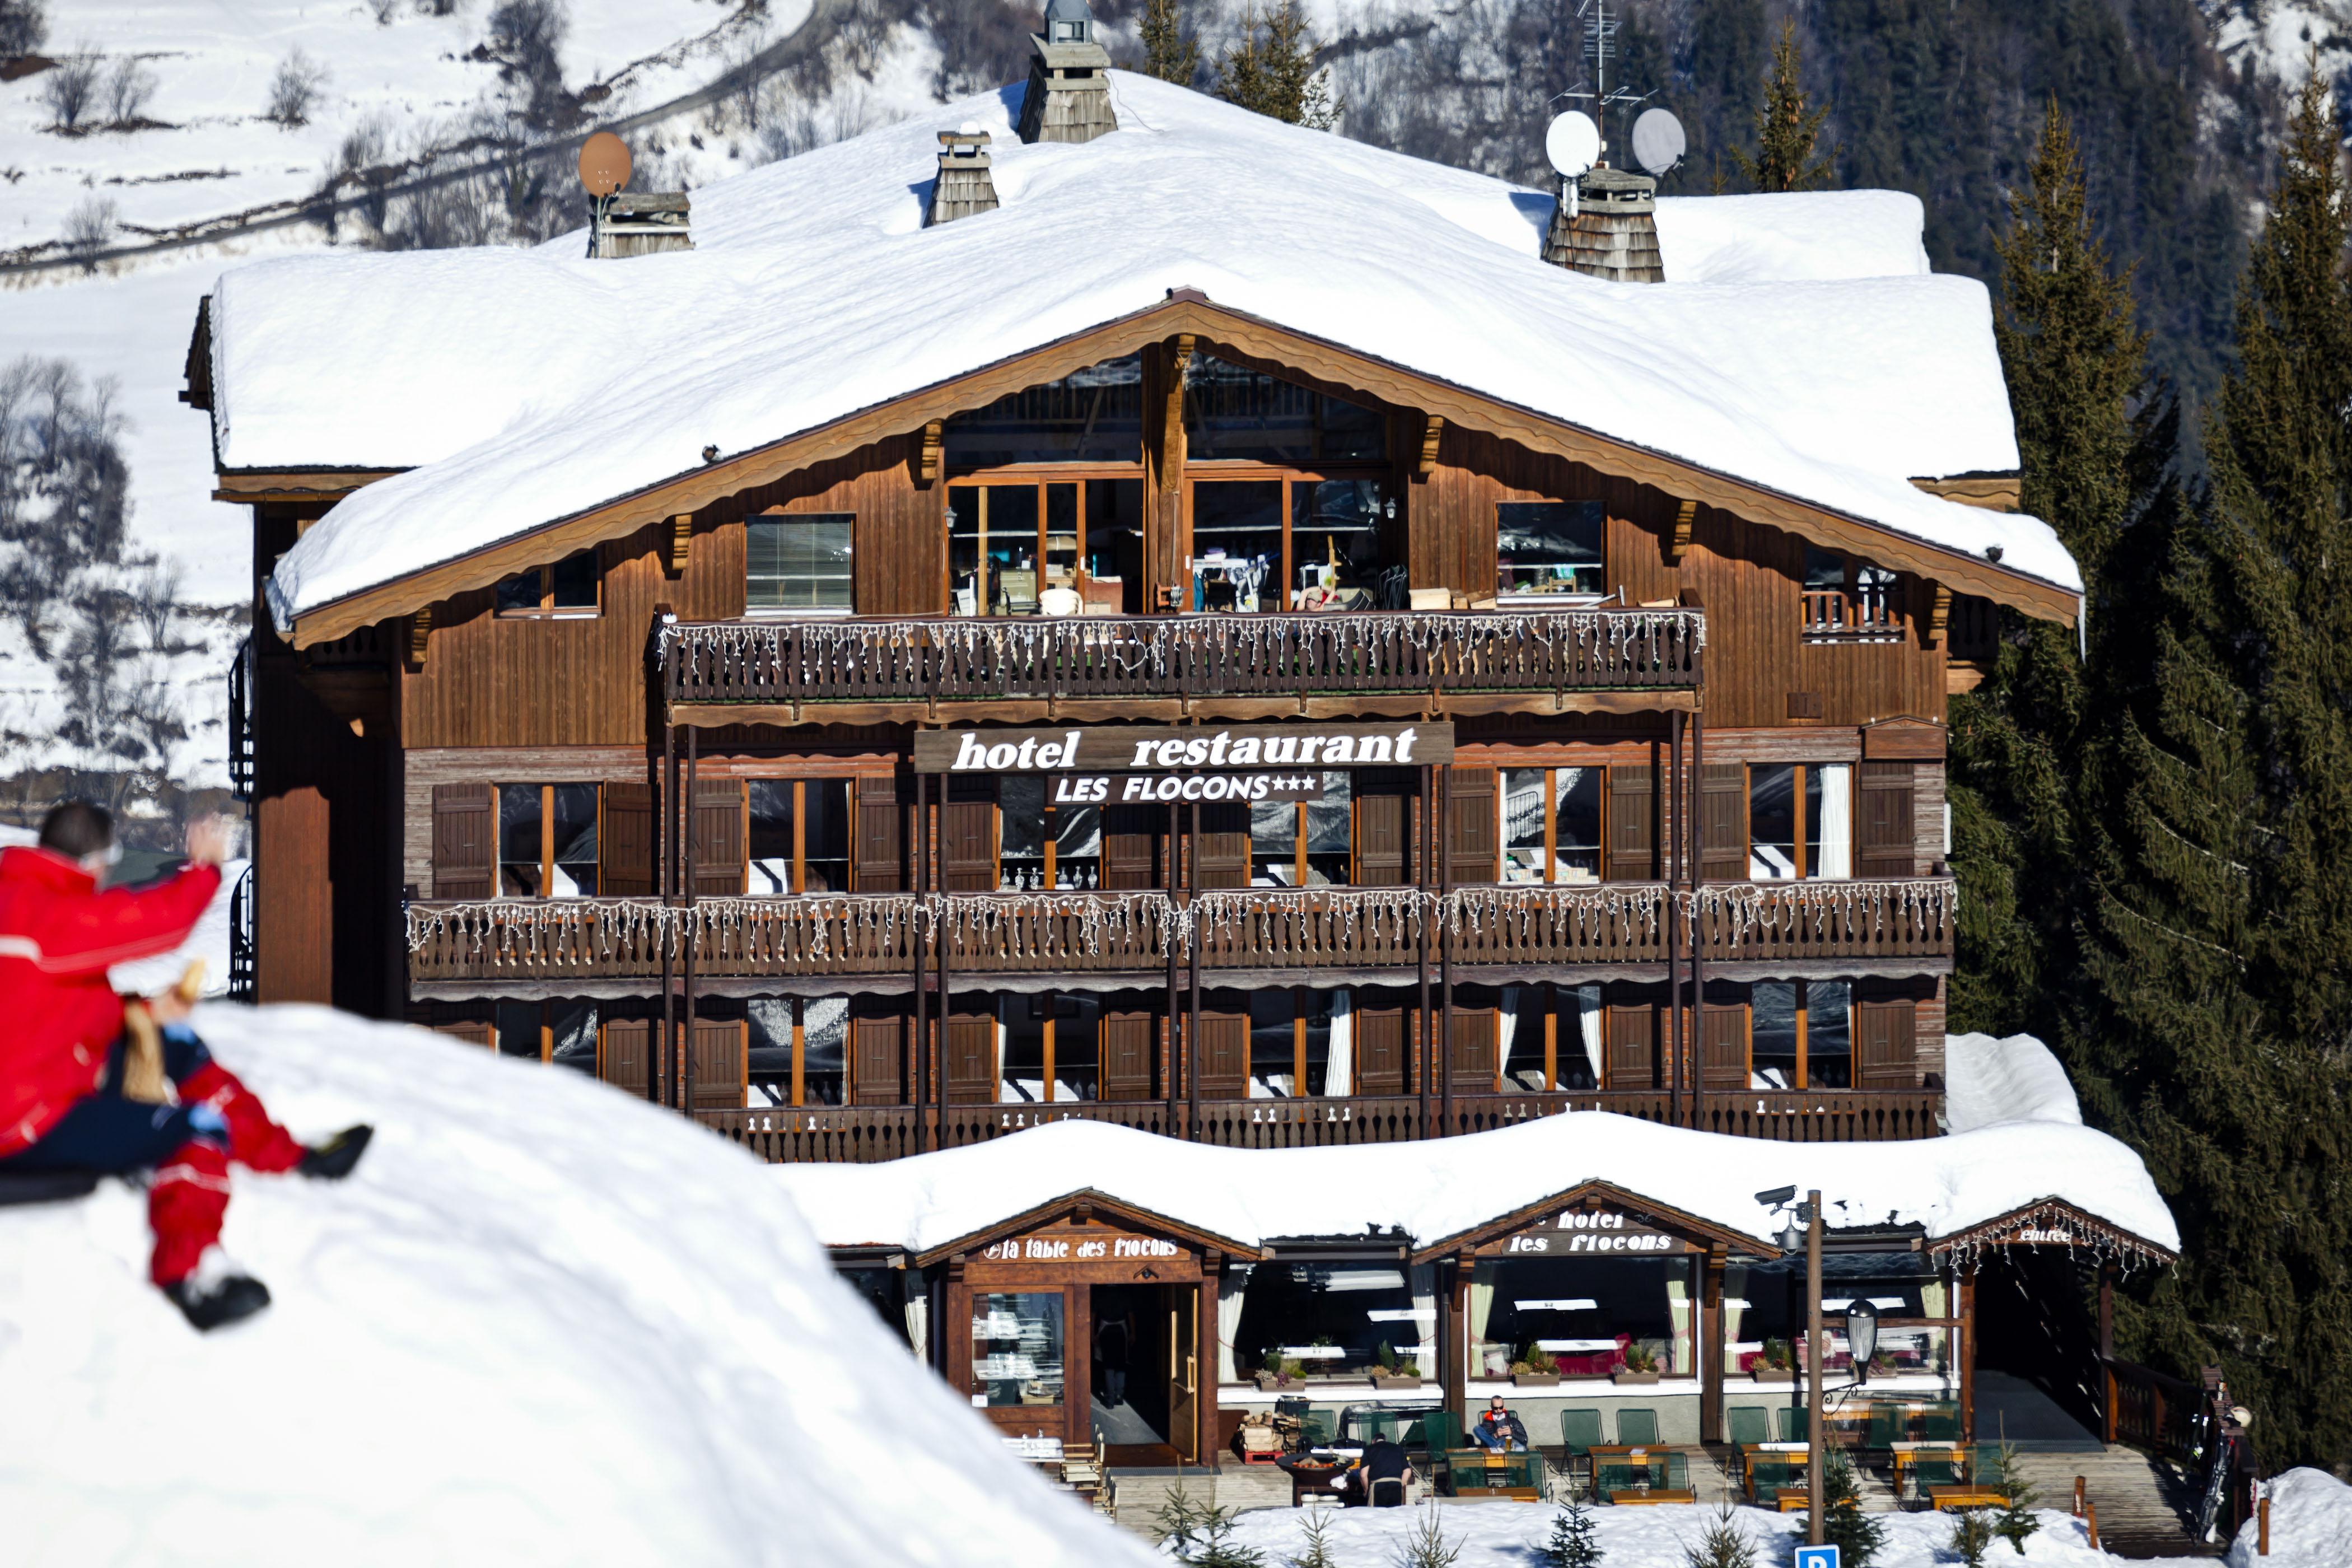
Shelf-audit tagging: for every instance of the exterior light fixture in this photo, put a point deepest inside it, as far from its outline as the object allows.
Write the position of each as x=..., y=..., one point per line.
x=1861, y=1335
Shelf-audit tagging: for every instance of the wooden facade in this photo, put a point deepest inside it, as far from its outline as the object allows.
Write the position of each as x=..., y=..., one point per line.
x=865, y=951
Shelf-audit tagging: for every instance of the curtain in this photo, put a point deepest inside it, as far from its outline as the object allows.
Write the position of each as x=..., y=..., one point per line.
x=1339, y=1066
x=1507, y=1032
x=919, y=1323
x=1422, y=1279
x=1482, y=1312
x=1232, y=1286
x=1678, y=1308
x=1837, y=821
x=1735, y=1308
x=1588, y=1008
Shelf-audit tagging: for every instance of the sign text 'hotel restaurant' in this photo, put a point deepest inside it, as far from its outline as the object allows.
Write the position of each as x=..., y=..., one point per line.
x=1127, y=748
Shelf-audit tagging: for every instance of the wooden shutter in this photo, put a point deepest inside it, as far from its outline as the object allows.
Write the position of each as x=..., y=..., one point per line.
x=720, y=863
x=1473, y=1031
x=1725, y=1041
x=1223, y=843
x=1885, y=1043
x=1723, y=822
x=1225, y=1054
x=877, y=1056
x=880, y=866
x=968, y=847
x=1377, y=1035
x=473, y=1033
x=1632, y=814
x=624, y=844
x=1130, y=845
x=719, y=1064
x=1635, y=1051
x=1473, y=828
x=464, y=841
x=1129, y=1042
x=622, y=1060
x=1885, y=830
x=1383, y=838
x=972, y=1059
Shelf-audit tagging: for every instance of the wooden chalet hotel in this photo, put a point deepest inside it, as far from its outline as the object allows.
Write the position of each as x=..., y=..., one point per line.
x=1095, y=605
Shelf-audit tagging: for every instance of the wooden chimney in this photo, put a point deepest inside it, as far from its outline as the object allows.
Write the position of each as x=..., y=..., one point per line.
x=1070, y=96
x=1615, y=231
x=964, y=185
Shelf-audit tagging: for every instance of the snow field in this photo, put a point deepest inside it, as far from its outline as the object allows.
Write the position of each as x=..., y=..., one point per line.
x=544, y=1323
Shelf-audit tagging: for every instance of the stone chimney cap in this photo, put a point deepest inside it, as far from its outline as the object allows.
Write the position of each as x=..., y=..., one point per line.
x=1618, y=190
x=1069, y=22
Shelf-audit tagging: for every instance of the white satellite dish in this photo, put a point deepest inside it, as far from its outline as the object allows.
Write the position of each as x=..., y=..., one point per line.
x=1658, y=141
x=1573, y=143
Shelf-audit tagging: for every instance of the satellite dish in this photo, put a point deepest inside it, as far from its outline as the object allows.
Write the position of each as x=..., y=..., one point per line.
x=603, y=164
x=1658, y=141
x=1573, y=142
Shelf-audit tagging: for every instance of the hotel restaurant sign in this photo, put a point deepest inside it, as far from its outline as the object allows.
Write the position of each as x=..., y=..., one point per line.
x=1131, y=762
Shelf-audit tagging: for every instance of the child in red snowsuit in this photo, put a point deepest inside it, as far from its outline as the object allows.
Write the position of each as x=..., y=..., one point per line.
x=64, y=1061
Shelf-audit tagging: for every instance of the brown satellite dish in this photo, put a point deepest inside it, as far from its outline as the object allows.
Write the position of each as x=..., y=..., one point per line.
x=603, y=164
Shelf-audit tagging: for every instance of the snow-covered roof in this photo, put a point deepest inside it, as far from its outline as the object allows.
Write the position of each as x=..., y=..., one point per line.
x=1443, y=1189
x=542, y=1323
x=1989, y=1081
x=1799, y=345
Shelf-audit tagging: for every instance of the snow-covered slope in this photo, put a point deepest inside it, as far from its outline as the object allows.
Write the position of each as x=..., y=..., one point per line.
x=2311, y=1524
x=544, y=1323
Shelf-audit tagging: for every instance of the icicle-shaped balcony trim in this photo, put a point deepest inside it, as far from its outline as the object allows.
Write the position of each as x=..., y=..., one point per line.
x=1247, y=927
x=1202, y=655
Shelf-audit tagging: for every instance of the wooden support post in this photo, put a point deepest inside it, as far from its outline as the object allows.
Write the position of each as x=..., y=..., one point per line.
x=657, y=1051
x=420, y=629
x=2082, y=1485
x=2091, y=1523
x=1172, y=1074
x=681, y=544
x=918, y=1045
x=1443, y=810
x=926, y=459
x=2262, y=1526
x=1192, y=965
x=1698, y=798
x=1939, y=615
x=1968, y=1357
x=1673, y=796
x=1711, y=1344
x=1432, y=430
x=686, y=1056
x=1421, y=884
x=1816, y=1349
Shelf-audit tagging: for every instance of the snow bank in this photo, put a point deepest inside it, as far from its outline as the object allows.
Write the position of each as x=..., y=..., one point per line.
x=544, y=1323
x=2311, y=1524
x=1506, y=1534
x=1792, y=237
x=523, y=388
x=1989, y=1081
x=1442, y=1188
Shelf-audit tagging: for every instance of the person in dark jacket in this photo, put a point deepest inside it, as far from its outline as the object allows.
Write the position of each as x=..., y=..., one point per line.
x=1499, y=1429
x=1386, y=1474
x=93, y=1083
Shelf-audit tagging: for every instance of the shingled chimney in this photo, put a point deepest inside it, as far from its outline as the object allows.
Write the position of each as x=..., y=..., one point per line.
x=964, y=185
x=1615, y=232
x=1068, y=99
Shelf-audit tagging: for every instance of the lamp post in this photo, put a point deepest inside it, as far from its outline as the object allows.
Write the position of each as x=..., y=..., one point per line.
x=1809, y=1213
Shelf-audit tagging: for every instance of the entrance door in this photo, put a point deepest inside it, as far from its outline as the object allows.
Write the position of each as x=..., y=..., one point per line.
x=1129, y=1365
x=1183, y=1369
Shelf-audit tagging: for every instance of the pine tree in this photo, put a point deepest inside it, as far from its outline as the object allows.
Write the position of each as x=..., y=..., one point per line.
x=1172, y=51
x=1571, y=1543
x=1786, y=129
x=1859, y=1537
x=1271, y=70
x=1722, y=1544
x=2213, y=1034
x=1313, y=1532
x=2016, y=1524
x=1972, y=1537
x=2074, y=360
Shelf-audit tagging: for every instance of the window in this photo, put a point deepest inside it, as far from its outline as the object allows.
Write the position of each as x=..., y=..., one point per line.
x=1092, y=416
x=1585, y=1313
x=1829, y=1034
x=1016, y=1348
x=564, y=1033
x=1776, y=851
x=1544, y=551
x=799, y=1051
x=1801, y=1035
x=547, y=841
x=565, y=591
x=1048, y=1043
x=1302, y=844
x=1041, y=845
x=1331, y=1319
x=1551, y=824
x=1846, y=600
x=1320, y=549
x=799, y=561
x=1764, y=1312
x=1335, y=542
x=799, y=839
x=1234, y=413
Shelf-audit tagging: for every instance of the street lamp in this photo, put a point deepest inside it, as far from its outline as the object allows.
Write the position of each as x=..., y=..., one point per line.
x=1809, y=1214
x=1861, y=1335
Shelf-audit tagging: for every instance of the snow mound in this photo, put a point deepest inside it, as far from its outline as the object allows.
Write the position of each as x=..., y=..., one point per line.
x=1511, y=1535
x=1791, y=237
x=544, y=1323
x=2311, y=1524
x=1989, y=1081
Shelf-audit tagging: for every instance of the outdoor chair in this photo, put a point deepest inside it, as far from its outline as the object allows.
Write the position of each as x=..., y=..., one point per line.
x=1942, y=1424
x=1315, y=1429
x=1765, y=1478
x=1886, y=1427
x=1746, y=1423
x=1941, y=1470
x=1792, y=1424
x=1637, y=1428
x=1435, y=1433
x=1579, y=1431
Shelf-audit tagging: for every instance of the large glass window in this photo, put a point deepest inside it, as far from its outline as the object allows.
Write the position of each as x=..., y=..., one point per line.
x=799, y=831
x=1335, y=543
x=817, y=1028
x=1782, y=797
x=1016, y=1348
x=1764, y=1312
x=1091, y=416
x=1551, y=824
x=1801, y=1036
x=1333, y=1319
x=1237, y=544
x=1590, y=1316
x=1544, y=551
x=798, y=561
x=1829, y=1034
x=1302, y=844
x=565, y=591
x=1233, y=413
x=547, y=841
x=1111, y=540
x=1049, y=1047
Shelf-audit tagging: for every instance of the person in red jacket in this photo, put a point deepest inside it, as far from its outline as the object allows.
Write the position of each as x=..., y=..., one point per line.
x=67, y=1058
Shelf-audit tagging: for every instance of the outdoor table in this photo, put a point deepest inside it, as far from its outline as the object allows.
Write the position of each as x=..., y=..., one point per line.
x=1602, y=1453
x=1628, y=1498
x=1942, y=1497
x=1779, y=1453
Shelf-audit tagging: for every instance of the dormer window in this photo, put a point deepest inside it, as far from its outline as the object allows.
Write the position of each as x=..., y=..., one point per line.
x=566, y=591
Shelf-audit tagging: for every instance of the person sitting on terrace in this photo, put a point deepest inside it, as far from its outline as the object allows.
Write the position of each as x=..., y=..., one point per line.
x=1385, y=1474
x=1499, y=1429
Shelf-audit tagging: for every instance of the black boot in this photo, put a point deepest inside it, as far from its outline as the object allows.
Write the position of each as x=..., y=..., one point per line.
x=333, y=1160
x=209, y=1302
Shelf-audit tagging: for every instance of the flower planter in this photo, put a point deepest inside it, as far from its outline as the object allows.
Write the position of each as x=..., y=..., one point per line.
x=1395, y=1380
x=1629, y=1377
x=1535, y=1379
x=1268, y=1383
x=1772, y=1375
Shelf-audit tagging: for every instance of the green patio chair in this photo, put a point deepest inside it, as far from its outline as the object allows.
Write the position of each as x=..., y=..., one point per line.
x=1792, y=1424
x=1745, y=1424
x=1317, y=1428
x=1466, y=1471
x=1765, y=1478
x=1942, y=1424
x=1579, y=1431
x=1886, y=1427
x=1637, y=1428
x=1435, y=1432
x=1678, y=1472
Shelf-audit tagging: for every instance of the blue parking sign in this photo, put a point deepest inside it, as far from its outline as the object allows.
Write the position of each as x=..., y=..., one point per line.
x=1817, y=1557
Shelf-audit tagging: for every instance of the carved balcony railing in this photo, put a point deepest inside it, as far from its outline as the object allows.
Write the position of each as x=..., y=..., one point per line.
x=1304, y=930
x=865, y=1134
x=937, y=660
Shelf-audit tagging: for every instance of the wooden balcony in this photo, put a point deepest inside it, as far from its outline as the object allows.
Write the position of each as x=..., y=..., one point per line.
x=1231, y=666
x=861, y=1134
x=867, y=942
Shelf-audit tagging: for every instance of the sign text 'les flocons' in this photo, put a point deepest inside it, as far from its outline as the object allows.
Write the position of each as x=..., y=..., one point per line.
x=1140, y=749
x=1077, y=1250
x=1591, y=1232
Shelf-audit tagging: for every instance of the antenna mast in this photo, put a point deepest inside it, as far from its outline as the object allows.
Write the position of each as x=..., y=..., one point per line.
x=1599, y=48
